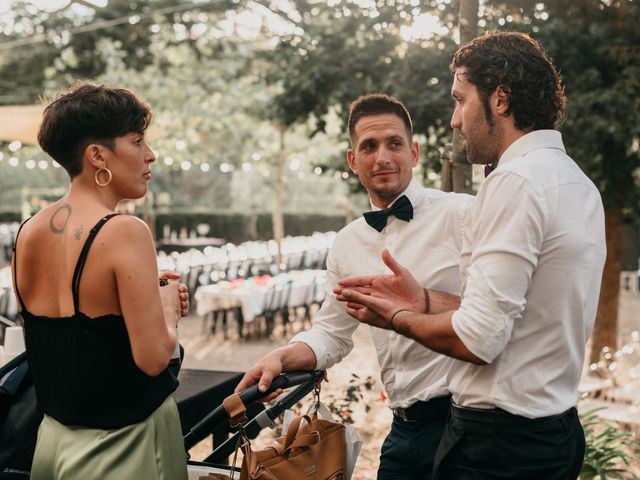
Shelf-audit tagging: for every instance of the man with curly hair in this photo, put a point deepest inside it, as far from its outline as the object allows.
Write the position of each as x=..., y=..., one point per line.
x=531, y=267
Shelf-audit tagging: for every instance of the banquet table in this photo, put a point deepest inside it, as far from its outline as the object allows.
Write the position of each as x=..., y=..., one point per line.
x=182, y=245
x=214, y=297
x=301, y=288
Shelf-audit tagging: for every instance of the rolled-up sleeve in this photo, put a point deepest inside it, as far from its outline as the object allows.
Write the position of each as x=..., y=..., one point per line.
x=506, y=246
x=330, y=338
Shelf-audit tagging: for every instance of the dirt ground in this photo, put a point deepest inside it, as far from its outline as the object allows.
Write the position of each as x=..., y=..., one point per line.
x=213, y=351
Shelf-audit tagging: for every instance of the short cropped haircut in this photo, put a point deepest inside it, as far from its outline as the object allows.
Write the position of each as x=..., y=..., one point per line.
x=516, y=63
x=89, y=114
x=377, y=104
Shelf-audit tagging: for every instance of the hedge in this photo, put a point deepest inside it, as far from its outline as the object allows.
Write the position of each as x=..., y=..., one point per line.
x=236, y=227
x=231, y=226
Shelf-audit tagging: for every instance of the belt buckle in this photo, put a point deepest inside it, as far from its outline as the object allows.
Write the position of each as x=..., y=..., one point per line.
x=401, y=413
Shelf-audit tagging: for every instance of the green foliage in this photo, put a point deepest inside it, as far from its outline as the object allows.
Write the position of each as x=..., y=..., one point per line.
x=341, y=50
x=10, y=216
x=608, y=448
x=53, y=49
x=594, y=44
x=356, y=392
x=235, y=226
x=601, y=70
x=225, y=96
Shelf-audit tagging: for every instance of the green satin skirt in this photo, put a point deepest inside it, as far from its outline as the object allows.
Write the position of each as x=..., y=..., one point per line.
x=149, y=450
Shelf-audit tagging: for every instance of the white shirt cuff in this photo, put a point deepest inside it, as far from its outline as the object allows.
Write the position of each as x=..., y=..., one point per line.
x=315, y=343
x=481, y=324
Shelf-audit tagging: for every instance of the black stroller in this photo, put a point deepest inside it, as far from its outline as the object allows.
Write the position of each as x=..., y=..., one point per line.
x=304, y=381
x=19, y=420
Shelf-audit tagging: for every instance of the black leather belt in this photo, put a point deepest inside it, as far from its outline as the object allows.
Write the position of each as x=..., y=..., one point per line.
x=425, y=411
x=500, y=416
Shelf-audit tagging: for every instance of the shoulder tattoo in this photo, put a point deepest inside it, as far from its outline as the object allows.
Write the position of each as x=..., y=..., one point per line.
x=60, y=219
x=78, y=232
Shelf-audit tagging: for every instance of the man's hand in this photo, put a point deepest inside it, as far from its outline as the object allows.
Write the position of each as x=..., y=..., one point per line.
x=369, y=309
x=263, y=373
x=400, y=289
x=295, y=356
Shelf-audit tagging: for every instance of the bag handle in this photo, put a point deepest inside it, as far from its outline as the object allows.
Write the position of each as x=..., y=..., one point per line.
x=292, y=431
x=295, y=439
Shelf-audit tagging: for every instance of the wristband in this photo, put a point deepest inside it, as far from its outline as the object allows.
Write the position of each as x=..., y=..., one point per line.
x=394, y=316
x=427, y=300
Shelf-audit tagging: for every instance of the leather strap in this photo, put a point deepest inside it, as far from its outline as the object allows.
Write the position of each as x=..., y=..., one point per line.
x=294, y=426
x=299, y=437
x=305, y=440
x=236, y=411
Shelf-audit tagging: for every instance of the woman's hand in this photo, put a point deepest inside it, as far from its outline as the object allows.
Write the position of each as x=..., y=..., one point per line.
x=183, y=291
x=174, y=298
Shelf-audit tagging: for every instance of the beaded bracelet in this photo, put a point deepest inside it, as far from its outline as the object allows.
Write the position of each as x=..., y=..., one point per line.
x=427, y=299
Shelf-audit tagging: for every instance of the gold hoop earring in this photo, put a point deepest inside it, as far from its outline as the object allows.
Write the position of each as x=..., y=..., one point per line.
x=109, y=176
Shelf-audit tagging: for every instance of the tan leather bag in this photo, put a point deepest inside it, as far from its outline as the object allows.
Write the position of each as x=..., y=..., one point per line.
x=314, y=450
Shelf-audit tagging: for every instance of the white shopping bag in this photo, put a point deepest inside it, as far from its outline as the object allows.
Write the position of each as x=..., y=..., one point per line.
x=352, y=439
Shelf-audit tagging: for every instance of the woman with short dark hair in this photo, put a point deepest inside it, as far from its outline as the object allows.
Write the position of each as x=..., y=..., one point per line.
x=100, y=332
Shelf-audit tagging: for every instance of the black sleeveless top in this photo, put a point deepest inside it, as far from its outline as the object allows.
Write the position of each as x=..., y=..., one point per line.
x=83, y=368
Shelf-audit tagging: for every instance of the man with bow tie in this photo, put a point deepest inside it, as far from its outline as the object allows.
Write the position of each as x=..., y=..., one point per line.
x=421, y=228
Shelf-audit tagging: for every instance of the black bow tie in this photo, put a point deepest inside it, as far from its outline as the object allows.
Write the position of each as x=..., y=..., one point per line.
x=401, y=209
x=488, y=169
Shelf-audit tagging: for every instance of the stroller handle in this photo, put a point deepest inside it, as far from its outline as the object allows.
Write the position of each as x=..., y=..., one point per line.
x=290, y=379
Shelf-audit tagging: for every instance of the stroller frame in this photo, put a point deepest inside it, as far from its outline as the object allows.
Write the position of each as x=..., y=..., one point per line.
x=304, y=381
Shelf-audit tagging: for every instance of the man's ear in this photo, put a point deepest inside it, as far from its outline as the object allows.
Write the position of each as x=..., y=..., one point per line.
x=351, y=159
x=415, y=153
x=502, y=95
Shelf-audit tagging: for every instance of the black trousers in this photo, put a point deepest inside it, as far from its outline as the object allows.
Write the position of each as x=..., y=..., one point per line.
x=495, y=445
x=410, y=448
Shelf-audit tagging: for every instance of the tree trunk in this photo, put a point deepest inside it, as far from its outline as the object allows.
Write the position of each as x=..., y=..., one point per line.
x=605, y=330
x=458, y=173
x=277, y=217
x=446, y=174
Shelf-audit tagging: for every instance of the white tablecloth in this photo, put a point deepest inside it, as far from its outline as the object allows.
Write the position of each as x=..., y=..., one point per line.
x=213, y=297
x=301, y=290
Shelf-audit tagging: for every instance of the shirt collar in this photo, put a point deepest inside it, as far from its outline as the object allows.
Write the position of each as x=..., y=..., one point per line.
x=412, y=192
x=532, y=141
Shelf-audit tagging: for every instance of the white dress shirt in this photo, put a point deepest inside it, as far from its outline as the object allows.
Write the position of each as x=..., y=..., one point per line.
x=429, y=245
x=532, y=260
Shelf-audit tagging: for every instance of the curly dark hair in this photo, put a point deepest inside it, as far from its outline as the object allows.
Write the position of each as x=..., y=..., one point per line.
x=88, y=114
x=377, y=104
x=517, y=64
